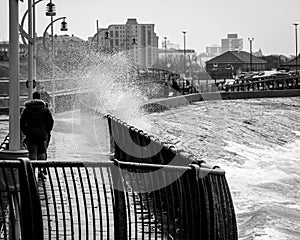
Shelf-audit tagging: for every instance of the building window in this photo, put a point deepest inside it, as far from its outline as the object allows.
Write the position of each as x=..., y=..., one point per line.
x=111, y=34
x=117, y=42
x=116, y=34
x=149, y=37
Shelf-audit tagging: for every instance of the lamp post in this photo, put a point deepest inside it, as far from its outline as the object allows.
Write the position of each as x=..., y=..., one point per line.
x=250, y=40
x=296, y=25
x=184, y=53
x=165, y=51
x=14, y=69
x=31, y=44
x=184, y=59
x=63, y=28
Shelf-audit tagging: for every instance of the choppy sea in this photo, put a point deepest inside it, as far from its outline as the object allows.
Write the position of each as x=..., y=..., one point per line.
x=257, y=143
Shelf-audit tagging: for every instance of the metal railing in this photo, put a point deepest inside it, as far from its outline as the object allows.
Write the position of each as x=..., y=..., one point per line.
x=265, y=84
x=97, y=200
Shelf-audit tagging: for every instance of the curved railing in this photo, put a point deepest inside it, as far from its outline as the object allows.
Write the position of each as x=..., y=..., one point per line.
x=274, y=83
x=197, y=195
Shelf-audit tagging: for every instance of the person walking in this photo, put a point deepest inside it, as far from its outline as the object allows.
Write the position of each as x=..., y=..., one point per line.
x=36, y=123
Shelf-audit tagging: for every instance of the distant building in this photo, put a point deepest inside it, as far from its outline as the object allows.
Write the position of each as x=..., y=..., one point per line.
x=213, y=51
x=232, y=63
x=291, y=64
x=139, y=40
x=176, y=54
x=4, y=51
x=231, y=43
x=170, y=45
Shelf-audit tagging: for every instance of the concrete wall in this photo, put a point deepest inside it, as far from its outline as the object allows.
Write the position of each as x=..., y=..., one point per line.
x=167, y=103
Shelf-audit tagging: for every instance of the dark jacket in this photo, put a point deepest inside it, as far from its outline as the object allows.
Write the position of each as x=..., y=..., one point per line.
x=36, y=121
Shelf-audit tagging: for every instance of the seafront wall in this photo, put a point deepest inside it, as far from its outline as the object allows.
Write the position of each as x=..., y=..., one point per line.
x=183, y=100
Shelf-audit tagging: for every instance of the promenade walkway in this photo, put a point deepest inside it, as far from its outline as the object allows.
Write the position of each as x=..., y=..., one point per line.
x=77, y=203
x=71, y=140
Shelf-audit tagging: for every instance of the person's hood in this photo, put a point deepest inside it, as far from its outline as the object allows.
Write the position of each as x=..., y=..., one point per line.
x=35, y=104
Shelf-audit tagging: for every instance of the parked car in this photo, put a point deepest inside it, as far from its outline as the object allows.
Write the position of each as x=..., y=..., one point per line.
x=228, y=83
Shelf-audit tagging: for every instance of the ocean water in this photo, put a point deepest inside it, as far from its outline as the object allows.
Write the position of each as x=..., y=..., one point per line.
x=257, y=143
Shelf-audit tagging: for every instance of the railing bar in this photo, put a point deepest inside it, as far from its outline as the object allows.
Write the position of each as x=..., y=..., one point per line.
x=46, y=204
x=134, y=206
x=70, y=203
x=84, y=204
x=92, y=202
x=220, y=221
x=231, y=213
x=62, y=203
x=150, y=166
x=148, y=205
x=207, y=209
x=10, y=163
x=190, y=227
x=106, y=201
x=142, y=213
x=154, y=207
x=77, y=203
x=15, y=185
x=223, y=204
x=179, y=194
x=160, y=206
x=54, y=204
x=70, y=163
x=126, y=189
x=211, y=206
x=198, y=201
x=3, y=224
x=4, y=210
x=99, y=201
x=173, y=204
x=167, y=205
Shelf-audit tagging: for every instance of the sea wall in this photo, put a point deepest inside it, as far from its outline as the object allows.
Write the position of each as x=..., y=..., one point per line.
x=183, y=100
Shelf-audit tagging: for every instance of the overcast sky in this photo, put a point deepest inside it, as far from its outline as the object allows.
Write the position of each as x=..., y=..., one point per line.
x=269, y=22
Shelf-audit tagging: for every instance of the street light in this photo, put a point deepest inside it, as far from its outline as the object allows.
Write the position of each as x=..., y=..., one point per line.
x=63, y=28
x=184, y=59
x=296, y=25
x=165, y=51
x=50, y=9
x=31, y=44
x=184, y=52
x=250, y=40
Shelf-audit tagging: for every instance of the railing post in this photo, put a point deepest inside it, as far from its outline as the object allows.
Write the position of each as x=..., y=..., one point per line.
x=120, y=217
x=31, y=213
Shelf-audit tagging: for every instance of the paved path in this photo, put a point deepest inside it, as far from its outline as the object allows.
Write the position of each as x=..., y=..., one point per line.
x=69, y=209
x=78, y=204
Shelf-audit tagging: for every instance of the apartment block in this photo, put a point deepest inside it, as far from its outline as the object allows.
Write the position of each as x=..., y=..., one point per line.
x=138, y=40
x=231, y=43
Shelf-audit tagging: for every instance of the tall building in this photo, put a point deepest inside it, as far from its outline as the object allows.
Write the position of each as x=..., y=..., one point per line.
x=139, y=40
x=213, y=50
x=231, y=43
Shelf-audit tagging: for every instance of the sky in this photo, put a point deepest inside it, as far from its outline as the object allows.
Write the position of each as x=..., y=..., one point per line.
x=269, y=22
